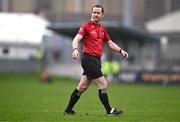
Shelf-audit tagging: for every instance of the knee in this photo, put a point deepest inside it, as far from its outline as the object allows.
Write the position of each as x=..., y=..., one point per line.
x=82, y=88
x=103, y=85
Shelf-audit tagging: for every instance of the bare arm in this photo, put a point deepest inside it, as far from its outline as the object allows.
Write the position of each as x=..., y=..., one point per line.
x=75, y=43
x=116, y=48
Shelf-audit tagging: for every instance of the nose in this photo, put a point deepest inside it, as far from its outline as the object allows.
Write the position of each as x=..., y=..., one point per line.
x=96, y=15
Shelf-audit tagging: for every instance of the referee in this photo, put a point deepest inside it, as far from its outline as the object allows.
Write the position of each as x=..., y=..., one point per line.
x=93, y=34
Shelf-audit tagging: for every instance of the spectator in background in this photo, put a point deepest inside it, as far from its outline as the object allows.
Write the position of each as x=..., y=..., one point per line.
x=115, y=69
x=106, y=68
x=43, y=76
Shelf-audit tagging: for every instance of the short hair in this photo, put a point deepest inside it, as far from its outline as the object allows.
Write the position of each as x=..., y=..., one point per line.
x=99, y=6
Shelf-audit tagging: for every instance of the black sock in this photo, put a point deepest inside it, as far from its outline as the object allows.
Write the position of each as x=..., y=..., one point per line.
x=73, y=99
x=104, y=99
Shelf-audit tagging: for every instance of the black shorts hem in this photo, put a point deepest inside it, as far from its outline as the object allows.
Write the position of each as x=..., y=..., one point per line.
x=92, y=77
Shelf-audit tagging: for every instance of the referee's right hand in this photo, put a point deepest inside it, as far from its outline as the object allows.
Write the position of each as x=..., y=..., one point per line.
x=75, y=55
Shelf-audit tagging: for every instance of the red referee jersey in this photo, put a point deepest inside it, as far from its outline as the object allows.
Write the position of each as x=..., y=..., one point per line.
x=93, y=37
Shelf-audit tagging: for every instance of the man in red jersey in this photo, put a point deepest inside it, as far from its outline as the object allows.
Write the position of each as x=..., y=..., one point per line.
x=93, y=34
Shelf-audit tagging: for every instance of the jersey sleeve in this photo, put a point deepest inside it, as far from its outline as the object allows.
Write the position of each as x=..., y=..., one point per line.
x=106, y=36
x=82, y=30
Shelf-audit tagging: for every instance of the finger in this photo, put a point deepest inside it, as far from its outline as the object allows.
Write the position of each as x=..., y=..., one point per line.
x=77, y=55
x=126, y=55
x=74, y=58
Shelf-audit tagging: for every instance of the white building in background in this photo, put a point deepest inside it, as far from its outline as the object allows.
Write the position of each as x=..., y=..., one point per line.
x=18, y=30
x=21, y=37
x=168, y=29
x=22, y=28
x=169, y=23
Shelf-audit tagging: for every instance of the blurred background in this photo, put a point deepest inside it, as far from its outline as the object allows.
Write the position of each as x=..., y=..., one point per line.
x=36, y=36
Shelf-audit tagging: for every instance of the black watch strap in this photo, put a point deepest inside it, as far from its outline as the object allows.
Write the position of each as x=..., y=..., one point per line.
x=75, y=48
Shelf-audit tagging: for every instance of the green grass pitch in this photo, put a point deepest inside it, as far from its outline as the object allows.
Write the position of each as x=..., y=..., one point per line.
x=24, y=98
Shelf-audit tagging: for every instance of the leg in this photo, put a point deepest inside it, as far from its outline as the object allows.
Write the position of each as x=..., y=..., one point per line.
x=82, y=86
x=102, y=86
x=92, y=69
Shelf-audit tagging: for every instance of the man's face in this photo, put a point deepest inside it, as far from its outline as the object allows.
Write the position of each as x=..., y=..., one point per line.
x=96, y=14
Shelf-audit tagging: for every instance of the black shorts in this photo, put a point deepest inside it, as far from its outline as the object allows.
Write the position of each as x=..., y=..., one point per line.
x=91, y=66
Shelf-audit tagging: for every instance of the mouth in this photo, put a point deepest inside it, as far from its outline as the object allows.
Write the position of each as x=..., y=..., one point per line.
x=96, y=18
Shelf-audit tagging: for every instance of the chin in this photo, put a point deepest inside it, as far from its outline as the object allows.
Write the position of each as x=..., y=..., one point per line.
x=96, y=20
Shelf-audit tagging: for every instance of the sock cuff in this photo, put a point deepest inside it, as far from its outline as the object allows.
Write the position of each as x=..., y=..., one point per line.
x=78, y=93
x=102, y=91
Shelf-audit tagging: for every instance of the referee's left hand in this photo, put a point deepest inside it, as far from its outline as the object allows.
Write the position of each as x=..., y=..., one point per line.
x=124, y=53
x=75, y=55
